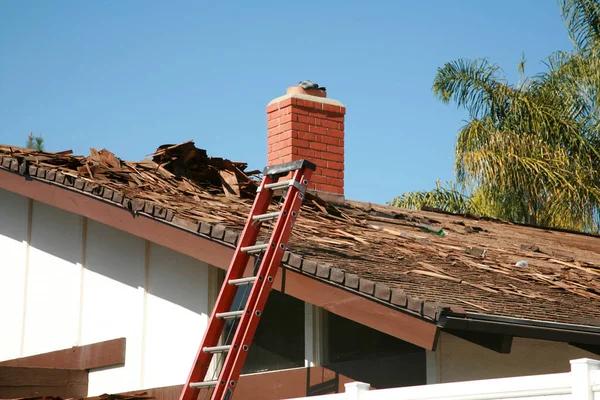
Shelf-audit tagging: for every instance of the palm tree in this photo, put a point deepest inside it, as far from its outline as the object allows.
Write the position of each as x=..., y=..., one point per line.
x=530, y=152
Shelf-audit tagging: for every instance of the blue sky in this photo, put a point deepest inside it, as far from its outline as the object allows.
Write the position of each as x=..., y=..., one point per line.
x=131, y=75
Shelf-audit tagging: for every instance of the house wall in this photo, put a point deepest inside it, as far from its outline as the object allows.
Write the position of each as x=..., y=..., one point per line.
x=457, y=359
x=67, y=281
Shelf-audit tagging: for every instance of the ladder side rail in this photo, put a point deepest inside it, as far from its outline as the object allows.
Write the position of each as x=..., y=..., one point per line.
x=271, y=270
x=226, y=294
x=268, y=268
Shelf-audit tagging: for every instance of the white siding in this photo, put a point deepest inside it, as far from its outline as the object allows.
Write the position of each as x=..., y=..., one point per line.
x=176, y=316
x=113, y=295
x=52, y=301
x=69, y=281
x=13, y=248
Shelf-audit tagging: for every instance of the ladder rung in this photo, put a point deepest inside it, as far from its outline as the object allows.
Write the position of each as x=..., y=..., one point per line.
x=279, y=185
x=267, y=216
x=217, y=349
x=257, y=248
x=242, y=281
x=203, y=384
x=282, y=169
x=230, y=314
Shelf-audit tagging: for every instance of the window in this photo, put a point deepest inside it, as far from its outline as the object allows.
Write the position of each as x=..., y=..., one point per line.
x=367, y=355
x=279, y=339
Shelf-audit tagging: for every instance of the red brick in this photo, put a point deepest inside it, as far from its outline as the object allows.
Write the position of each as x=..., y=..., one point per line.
x=335, y=182
x=330, y=140
x=307, y=136
x=317, y=129
x=318, y=179
x=280, y=160
x=286, y=110
x=275, y=130
x=329, y=124
x=332, y=157
x=336, y=133
x=302, y=143
x=273, y=115
x=302, y=152
x=284, y=103
x=272, y=108
x=306, y=119
x=331, y=108
x=335, y=165
x=293, y=125
x=330, y=188
x=277, y=137
x=310, y=104
x=332, y=173
x=318, y=145
x=334, y=118
x=273, y=123
x=287, y=118
x=280, y=154
x=335, y=149
x=297, y=110
x=281, y=144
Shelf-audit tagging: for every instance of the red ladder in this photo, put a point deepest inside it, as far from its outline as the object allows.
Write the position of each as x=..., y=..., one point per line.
x=268, y=258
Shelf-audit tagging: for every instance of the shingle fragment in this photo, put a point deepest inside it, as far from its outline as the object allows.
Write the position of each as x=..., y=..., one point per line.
x=336, y=275
x=309, y=267
x=366, y=286
x=398, y=297
x=351, y=280
x=218, y=232
x=295, y=261
x=382, y=292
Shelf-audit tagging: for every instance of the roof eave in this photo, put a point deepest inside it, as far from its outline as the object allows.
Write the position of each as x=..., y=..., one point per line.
x=527, y=328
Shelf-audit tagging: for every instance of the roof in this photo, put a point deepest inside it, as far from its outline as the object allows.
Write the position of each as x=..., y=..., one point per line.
x=423, y=263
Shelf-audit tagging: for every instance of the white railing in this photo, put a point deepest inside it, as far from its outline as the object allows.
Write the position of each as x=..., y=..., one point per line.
x=582, y=383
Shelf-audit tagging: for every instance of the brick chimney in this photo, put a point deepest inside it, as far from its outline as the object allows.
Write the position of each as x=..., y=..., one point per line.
x=305, y=124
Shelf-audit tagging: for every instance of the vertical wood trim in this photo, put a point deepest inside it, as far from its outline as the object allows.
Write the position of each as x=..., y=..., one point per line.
x=433, y=364
x=82, y=266
x=216, y=277
x=313, y=322
x=431, y=367
x=308, y=335
x=26, y=272
x=147, y=255
x=215, y=280
x=319, y=318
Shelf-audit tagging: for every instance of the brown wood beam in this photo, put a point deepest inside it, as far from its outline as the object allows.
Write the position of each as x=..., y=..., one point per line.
x=336, y=300
x=110, y=353
x=18, y=382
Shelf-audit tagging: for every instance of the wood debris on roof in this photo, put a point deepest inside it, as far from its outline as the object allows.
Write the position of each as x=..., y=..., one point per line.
x=372, y=249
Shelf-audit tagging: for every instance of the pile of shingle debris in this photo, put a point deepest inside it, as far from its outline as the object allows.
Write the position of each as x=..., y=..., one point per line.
x=180, y=178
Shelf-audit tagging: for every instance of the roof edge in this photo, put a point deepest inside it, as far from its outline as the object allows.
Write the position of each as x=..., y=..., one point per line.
x=521, y=327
